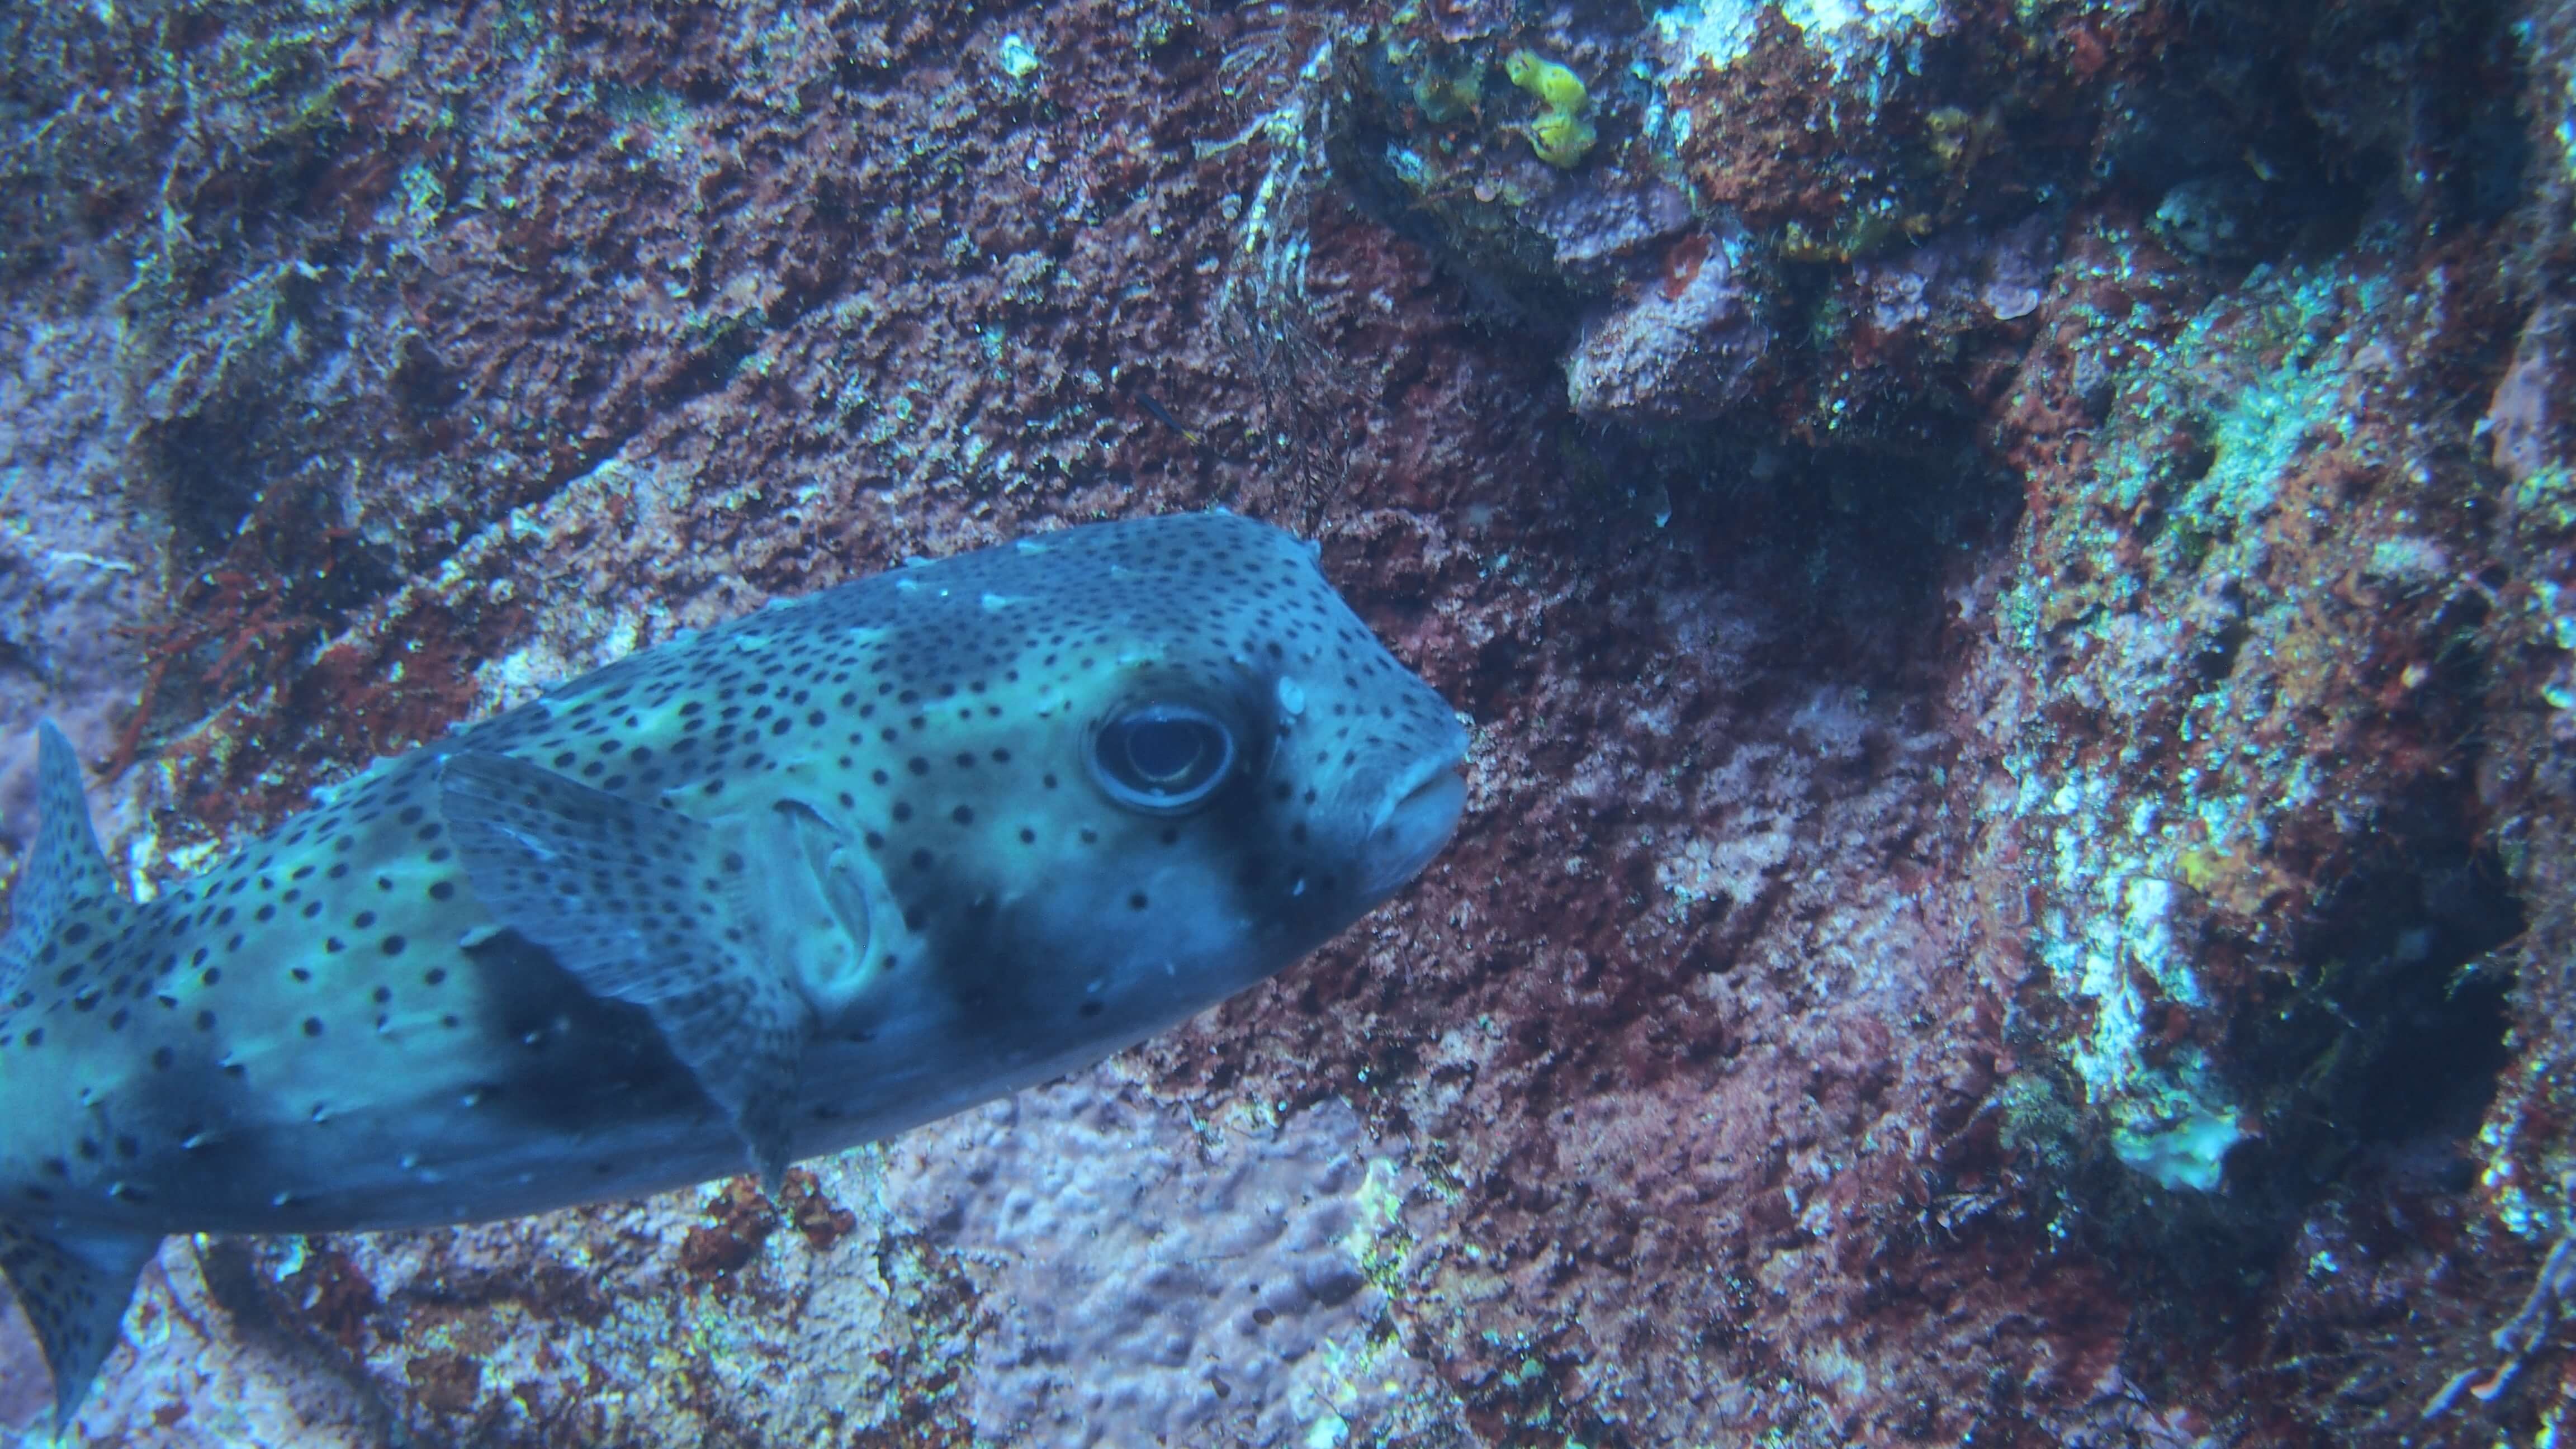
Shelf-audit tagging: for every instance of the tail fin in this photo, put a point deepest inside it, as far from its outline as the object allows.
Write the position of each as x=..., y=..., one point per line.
x=74, y=1286
x=75, y=1289
x=64, y=872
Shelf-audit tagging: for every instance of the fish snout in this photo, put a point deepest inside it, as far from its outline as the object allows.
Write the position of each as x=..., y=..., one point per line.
x=1414, y=820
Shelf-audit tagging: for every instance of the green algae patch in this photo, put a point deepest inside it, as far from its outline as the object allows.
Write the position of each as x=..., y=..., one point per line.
x=2178, y=1134
x=1450, y=91
x=1558, y=133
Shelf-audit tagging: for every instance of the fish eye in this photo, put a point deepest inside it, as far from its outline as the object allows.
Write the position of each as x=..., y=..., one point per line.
x=1163, y=758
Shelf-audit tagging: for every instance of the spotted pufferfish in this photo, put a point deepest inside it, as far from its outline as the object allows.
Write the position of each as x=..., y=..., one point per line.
x=795, y=883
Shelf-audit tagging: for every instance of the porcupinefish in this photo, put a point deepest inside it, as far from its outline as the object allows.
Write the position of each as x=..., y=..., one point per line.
x=799, y=882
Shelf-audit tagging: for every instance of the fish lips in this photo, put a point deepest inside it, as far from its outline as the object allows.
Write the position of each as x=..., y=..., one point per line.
x=1414, y=821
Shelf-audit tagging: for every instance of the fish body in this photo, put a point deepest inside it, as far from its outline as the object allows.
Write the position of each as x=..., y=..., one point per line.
x=795, y=883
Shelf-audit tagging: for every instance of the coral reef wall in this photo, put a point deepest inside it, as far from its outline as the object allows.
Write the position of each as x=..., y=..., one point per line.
x=2013, y=566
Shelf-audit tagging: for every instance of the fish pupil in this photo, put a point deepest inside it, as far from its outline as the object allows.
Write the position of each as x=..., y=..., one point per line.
x=1165, y=751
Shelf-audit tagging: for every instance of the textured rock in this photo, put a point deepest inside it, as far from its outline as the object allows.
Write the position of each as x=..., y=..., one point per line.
x=80, y=558
x=1168, y=1277
x=1679, y=352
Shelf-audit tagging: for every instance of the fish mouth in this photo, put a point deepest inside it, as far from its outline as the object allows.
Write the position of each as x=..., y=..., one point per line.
x=1419, y=815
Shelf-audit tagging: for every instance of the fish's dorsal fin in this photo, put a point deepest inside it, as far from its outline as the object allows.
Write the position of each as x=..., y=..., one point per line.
x=75, y=1288
x=558, y=862
x=64, y=872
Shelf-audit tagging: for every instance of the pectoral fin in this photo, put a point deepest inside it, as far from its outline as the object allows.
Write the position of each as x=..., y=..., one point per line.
x=645, y=905
x=75, y=1289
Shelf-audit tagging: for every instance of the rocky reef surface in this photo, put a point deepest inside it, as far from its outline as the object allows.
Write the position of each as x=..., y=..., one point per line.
x=2013, y=566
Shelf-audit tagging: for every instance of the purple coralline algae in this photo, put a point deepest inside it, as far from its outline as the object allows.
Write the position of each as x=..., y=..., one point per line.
x=1680, y=351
